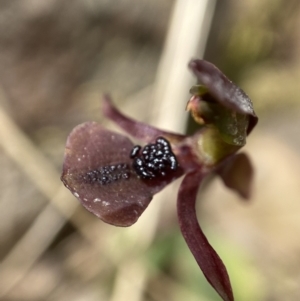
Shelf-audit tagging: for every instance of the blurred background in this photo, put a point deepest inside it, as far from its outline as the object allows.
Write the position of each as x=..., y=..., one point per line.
x=56, y=60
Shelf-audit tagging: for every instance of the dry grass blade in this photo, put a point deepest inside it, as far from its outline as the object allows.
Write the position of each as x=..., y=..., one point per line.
x=186, y=39
x=43, y=174
x=34, y=242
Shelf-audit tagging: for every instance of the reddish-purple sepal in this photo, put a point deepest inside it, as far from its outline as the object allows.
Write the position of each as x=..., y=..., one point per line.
x=98, y=171
x=237, y=174
x=223, y=90
x=139, y=130
x=206, y=257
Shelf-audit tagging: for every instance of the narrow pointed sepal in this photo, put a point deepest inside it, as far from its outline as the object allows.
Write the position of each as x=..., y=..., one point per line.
x=208, y=260
x=134, y=128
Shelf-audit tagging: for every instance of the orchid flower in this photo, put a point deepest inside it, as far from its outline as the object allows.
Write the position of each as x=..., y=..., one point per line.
x=116, y=180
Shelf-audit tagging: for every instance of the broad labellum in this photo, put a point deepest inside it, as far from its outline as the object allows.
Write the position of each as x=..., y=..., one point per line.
x=116, y=180
x=101, y=172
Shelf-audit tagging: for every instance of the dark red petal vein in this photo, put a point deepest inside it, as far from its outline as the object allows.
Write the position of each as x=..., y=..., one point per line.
x=206, y=257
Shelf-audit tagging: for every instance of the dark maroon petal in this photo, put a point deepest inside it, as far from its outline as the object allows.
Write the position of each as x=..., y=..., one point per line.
x=224, y=90
x=206, y=257
x=98, y=171
x=237, y=174
x=139, y=130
